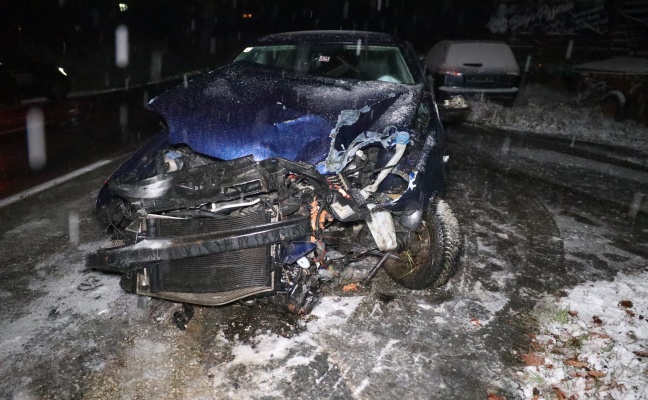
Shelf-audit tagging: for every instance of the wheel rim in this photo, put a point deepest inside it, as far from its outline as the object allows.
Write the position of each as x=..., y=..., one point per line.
x=419, y=254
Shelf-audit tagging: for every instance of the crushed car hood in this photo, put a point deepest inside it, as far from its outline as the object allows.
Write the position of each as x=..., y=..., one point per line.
x=248, y=109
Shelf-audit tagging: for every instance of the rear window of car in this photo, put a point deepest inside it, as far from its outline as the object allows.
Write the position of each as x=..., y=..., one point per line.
x=489, y=55
x=346, y=61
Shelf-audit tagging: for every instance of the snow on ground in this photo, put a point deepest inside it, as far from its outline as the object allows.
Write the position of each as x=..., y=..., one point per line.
x=591, y=343
x=547, y=111
x=66, y=296
x=278, y=359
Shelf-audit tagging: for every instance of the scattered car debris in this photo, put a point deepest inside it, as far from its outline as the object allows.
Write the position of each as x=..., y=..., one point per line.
x=91, y=283
x=182, y=318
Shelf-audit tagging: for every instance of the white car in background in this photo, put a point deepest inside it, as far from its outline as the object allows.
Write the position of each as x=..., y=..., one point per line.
x=461, y=69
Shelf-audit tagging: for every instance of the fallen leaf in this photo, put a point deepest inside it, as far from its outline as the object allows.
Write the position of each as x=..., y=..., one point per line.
x=625, y=303
x=641, y=353
x=350, y=287
x=559, y=393
x=578, y=374
x=596, y=374
x=573, y=313
x=533, y=360
x=590, y=383
x=599, y=335
x=474, y=321
x=630, y=313
x=559, y=350
x=575, y=363
x=597, y=320
x=493, y=396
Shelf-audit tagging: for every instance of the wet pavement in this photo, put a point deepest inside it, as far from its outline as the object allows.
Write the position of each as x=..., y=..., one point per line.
x=72, y=333
x=615, y=176
x=77, y=132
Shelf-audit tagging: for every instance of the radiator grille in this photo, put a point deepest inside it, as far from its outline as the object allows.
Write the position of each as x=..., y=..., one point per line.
x=182, y=227
x=223, y=272
x=213, y=273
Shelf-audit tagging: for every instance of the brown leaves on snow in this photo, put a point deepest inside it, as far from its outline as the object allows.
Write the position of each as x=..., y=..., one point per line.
x=625, y=304
x=599, y=335
x=575, y=363
x=567, y=348
x=596, y=374
x=532, y=359
x=559, y=393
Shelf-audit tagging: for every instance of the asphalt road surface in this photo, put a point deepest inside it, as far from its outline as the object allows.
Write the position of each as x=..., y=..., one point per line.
x=67, y=332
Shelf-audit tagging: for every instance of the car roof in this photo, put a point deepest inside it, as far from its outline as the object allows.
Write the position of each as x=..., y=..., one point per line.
x=328, y=37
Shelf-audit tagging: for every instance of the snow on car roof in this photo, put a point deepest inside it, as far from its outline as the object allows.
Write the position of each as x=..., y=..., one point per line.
x=491, y=54
x=630, y=65
x=328, y=36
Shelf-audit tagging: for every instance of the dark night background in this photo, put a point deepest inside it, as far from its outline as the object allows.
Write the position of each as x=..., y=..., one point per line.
x=79, y=34
x=551, y=194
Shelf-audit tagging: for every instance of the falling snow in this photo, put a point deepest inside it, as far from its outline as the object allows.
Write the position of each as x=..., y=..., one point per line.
x=36, y=138
x=121, y=46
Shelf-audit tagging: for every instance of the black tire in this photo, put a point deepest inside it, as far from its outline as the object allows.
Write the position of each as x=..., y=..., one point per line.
x=434, y=254
x=611, y=107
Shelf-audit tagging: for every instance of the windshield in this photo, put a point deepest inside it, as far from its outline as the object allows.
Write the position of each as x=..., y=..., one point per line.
x=347, y=61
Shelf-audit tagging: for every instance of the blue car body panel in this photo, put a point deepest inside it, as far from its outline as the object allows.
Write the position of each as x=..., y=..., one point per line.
x=248, y=109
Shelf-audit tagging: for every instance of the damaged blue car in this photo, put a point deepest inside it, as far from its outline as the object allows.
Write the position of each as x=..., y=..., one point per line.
x=312, y=158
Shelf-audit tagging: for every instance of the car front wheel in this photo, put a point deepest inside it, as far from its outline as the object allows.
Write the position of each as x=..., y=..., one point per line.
x=434, y=253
